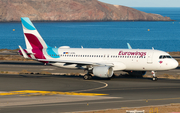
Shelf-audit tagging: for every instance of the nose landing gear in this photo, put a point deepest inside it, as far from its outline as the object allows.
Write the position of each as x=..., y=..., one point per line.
x=154, y=76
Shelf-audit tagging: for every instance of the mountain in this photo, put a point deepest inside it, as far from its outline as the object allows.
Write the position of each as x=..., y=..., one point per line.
x=71, y=10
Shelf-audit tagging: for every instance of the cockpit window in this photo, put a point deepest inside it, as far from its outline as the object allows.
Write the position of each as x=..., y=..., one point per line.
x=161, y=57
x=164, y=56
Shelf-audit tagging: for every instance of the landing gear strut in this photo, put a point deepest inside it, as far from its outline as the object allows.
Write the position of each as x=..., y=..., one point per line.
x=154, y=76
x=88, y=76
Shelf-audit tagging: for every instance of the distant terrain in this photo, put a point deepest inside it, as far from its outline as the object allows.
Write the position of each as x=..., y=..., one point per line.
x=71, y=10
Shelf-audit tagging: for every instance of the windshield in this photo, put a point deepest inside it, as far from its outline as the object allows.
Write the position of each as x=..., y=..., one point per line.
x=164, y=56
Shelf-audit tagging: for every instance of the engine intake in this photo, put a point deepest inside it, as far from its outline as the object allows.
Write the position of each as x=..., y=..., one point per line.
x=103, y=71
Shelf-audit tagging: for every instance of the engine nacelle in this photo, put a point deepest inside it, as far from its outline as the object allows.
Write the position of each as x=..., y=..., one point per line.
x=137, y=73
x=103, y=71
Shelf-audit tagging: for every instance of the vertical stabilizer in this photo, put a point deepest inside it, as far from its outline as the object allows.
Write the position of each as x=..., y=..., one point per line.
x=32, y=38
x=34, y=42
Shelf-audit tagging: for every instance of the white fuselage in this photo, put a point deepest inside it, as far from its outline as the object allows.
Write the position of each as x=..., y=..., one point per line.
x=121, y=59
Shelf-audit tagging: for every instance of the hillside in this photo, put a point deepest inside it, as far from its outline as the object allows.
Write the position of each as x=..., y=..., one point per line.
x=71, y=10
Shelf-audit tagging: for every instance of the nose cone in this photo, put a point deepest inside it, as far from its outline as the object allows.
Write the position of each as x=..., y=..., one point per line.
x=174, y=64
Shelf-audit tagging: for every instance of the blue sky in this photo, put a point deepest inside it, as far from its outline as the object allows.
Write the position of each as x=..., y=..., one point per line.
x=145, y=3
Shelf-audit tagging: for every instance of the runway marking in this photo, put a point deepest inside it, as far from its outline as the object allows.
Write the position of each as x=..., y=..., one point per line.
x=44, y=93
x=106, y=85
x=144, y=88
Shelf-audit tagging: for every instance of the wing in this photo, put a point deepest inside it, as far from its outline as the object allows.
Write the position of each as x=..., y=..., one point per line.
x=77, y=62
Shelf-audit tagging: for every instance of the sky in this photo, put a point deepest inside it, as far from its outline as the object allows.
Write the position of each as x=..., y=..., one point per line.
x=145, y=3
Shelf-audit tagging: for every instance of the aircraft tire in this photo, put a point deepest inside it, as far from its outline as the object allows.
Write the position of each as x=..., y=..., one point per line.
x=87, y=77
x=155, y=79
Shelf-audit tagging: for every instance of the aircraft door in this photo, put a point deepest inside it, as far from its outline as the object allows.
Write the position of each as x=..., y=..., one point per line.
x=150, y=57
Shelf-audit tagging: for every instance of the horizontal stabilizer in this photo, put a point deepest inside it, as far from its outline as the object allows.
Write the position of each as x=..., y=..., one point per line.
x=23, y=52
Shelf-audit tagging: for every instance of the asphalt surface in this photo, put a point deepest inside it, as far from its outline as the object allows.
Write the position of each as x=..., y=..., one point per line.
x=56, y=93
x=121, y=92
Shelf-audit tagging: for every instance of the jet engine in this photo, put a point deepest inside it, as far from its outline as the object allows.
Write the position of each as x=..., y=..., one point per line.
x=103, y=71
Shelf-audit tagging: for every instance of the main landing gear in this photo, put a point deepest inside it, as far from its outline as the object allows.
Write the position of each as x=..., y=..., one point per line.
x=87, y=76
x=154, y=76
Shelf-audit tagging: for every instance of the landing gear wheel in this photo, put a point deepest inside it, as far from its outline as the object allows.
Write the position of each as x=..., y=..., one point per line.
x=87, y=77
x=90, y=77
x=155, y=78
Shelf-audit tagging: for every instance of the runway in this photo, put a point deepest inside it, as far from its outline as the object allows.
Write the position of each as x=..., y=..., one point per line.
x=36, y=93
x=56, y=93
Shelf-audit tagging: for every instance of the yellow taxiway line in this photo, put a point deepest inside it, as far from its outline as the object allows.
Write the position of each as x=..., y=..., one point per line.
x=42, y=93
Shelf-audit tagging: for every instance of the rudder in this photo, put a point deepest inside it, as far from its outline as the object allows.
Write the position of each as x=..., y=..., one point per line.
x=32, y=37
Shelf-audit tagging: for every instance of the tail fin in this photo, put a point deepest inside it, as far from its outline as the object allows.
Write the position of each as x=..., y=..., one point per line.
x=34, y=42
x=32, y=38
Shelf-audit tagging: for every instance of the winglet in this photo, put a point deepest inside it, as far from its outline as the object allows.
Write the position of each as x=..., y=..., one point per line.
x=129, y=46
x=23, y=52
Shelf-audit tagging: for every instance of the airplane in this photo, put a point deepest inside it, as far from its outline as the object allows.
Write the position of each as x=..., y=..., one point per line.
x=98, y=62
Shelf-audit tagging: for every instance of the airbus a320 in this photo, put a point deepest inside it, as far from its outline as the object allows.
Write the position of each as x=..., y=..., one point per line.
x=99, y=62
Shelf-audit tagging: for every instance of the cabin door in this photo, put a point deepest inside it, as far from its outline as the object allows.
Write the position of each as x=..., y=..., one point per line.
x=150, y=57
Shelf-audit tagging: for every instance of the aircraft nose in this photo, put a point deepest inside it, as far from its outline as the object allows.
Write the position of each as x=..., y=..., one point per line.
x=175, y=64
